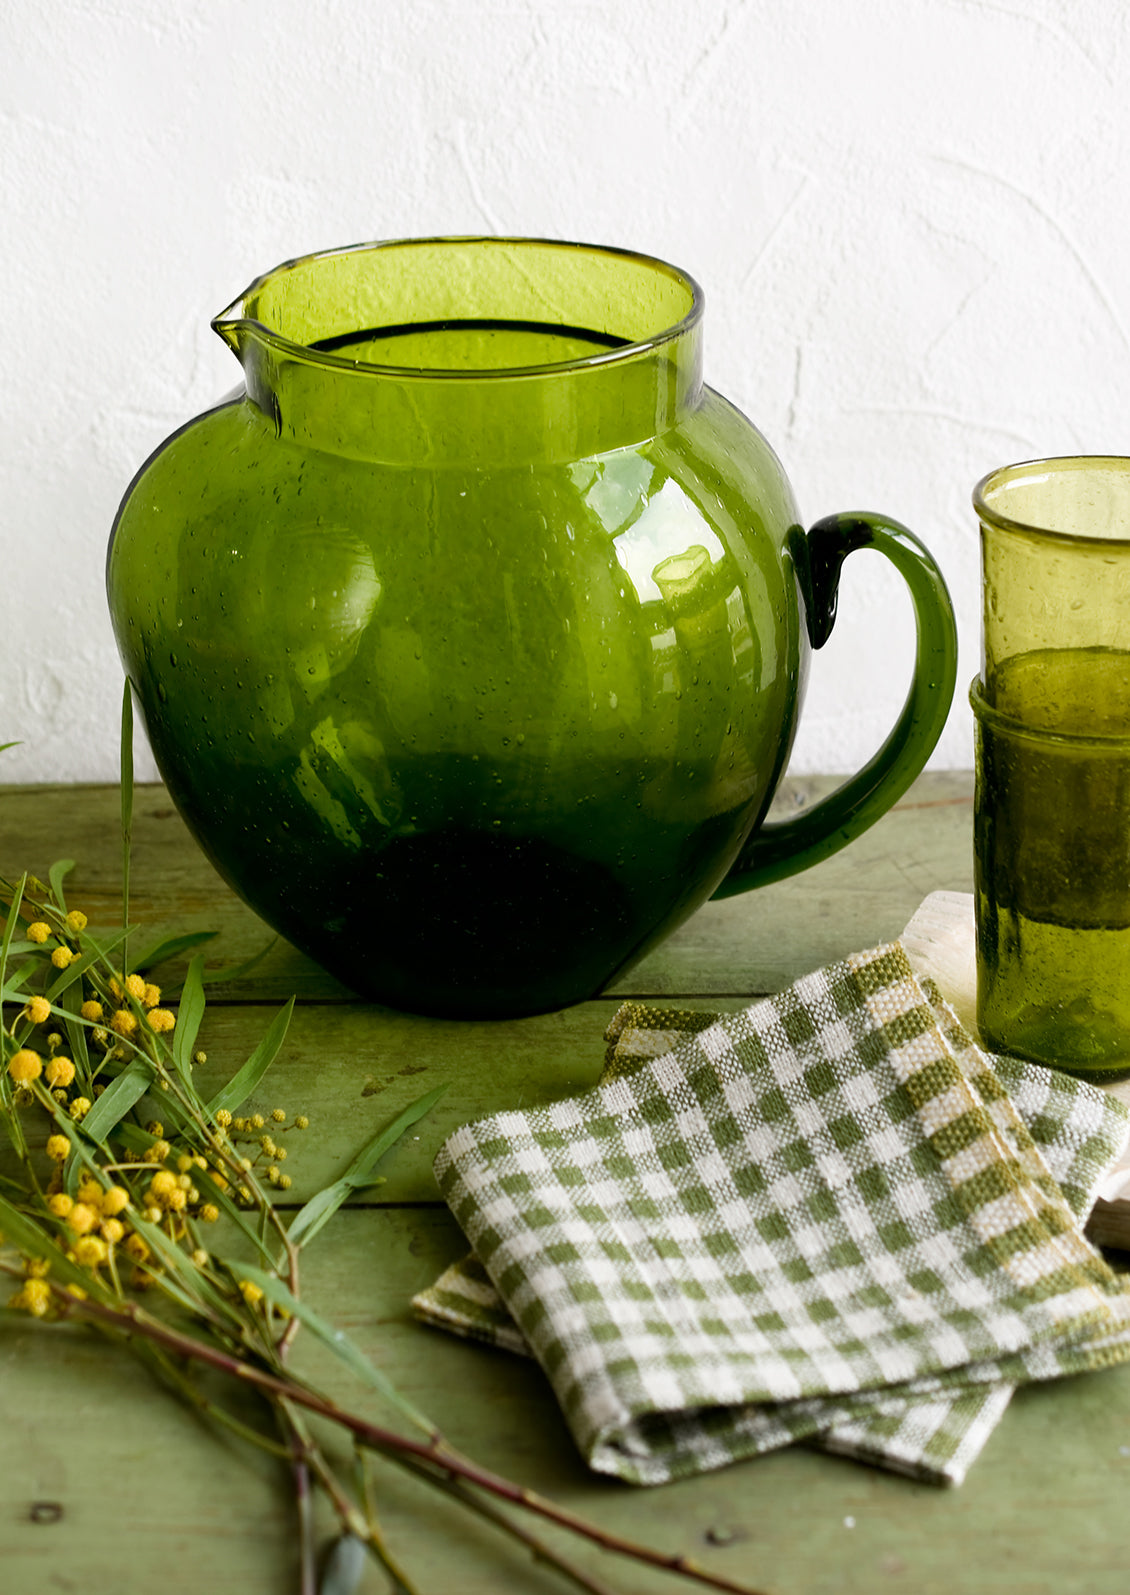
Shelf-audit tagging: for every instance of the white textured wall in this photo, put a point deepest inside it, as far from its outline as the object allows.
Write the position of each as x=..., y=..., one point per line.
x=910, y=218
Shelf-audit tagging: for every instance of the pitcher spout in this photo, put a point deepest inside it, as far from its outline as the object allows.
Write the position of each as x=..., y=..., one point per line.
x=231, y=326
x=249, y=340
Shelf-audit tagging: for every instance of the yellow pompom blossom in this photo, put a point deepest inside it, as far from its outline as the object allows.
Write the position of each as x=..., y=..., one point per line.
x=25, y=1066
x=302, y=1122
x=158, y=1152
x=60, y=1072
x=58, y=1149
x=76, y=921
x=252, y=1293
x=209, y=1213
x=90, y=1251
x=38, y=1010
x=284, y=1182
x=137, y=1248
x=112, y=1230
x=62, y=957
x=162, y=1187
x=79, y=1108
x=160, y=1019
x=115, y=1200
x=200, y=1257
x=38, y=932
x=60, y=1204
x=90, y=1192
x=91, y=1010
x=81, y=1219
x=122, y=1022
x=37, y=1267
x=279, y=1115
x=135, y=986
x=34, y=1298
x=151, y=996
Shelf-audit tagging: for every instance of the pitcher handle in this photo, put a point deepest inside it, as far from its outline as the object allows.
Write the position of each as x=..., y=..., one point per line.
x=785, y=847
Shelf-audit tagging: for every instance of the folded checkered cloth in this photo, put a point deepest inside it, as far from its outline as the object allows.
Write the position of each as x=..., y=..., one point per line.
x=829, y=1217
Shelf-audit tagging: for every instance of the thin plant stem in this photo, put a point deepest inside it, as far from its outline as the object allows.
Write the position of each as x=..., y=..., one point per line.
x=296, y=1449
x=307, y=1550
x=538, y=1549
x=378, y=1545
x=436, y=1454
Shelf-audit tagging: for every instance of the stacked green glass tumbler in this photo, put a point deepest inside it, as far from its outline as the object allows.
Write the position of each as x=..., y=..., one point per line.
x=1052, y=815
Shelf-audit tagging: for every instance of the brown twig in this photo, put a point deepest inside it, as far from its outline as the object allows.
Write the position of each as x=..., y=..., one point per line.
x=434, y=1454
x=538, y=1549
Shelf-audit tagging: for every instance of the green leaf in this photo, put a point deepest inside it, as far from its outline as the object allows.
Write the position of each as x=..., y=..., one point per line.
x=237, y=971
x=83, y=1158
x=56, y=875
x=335, y=1339
x=10, y=924
x=75, y=971
x=95, y=952
x=190, y=1012
x=11, y=1121
x=117, y=1099
x=321, y=1207
x=171, y=947
x=15, y=988
x=75, y=1027
x=242, y=1084
x=182, y=1280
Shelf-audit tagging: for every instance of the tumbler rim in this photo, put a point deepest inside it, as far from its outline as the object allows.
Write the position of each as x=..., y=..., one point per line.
x=1062, y=463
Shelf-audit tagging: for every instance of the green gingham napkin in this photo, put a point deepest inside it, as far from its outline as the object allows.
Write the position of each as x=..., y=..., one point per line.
x=829, y=1217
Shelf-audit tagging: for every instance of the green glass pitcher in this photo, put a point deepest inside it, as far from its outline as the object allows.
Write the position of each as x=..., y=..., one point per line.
x=471, y=636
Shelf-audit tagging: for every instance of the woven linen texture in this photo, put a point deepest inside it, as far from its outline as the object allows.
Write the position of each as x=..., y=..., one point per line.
x=822, y=1218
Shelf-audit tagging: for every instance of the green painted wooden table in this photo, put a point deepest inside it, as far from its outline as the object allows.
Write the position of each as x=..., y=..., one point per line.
x=110, y=1486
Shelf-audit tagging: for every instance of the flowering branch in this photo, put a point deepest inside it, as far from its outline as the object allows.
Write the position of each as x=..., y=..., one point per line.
x=137, y=1168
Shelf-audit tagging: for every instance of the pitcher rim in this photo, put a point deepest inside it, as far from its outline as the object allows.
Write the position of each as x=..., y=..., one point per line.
x=1061, y=462
x=228, y=325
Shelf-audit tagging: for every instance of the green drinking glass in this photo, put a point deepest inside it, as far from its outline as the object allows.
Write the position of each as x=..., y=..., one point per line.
x=471, y=634
x=1052, y=806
